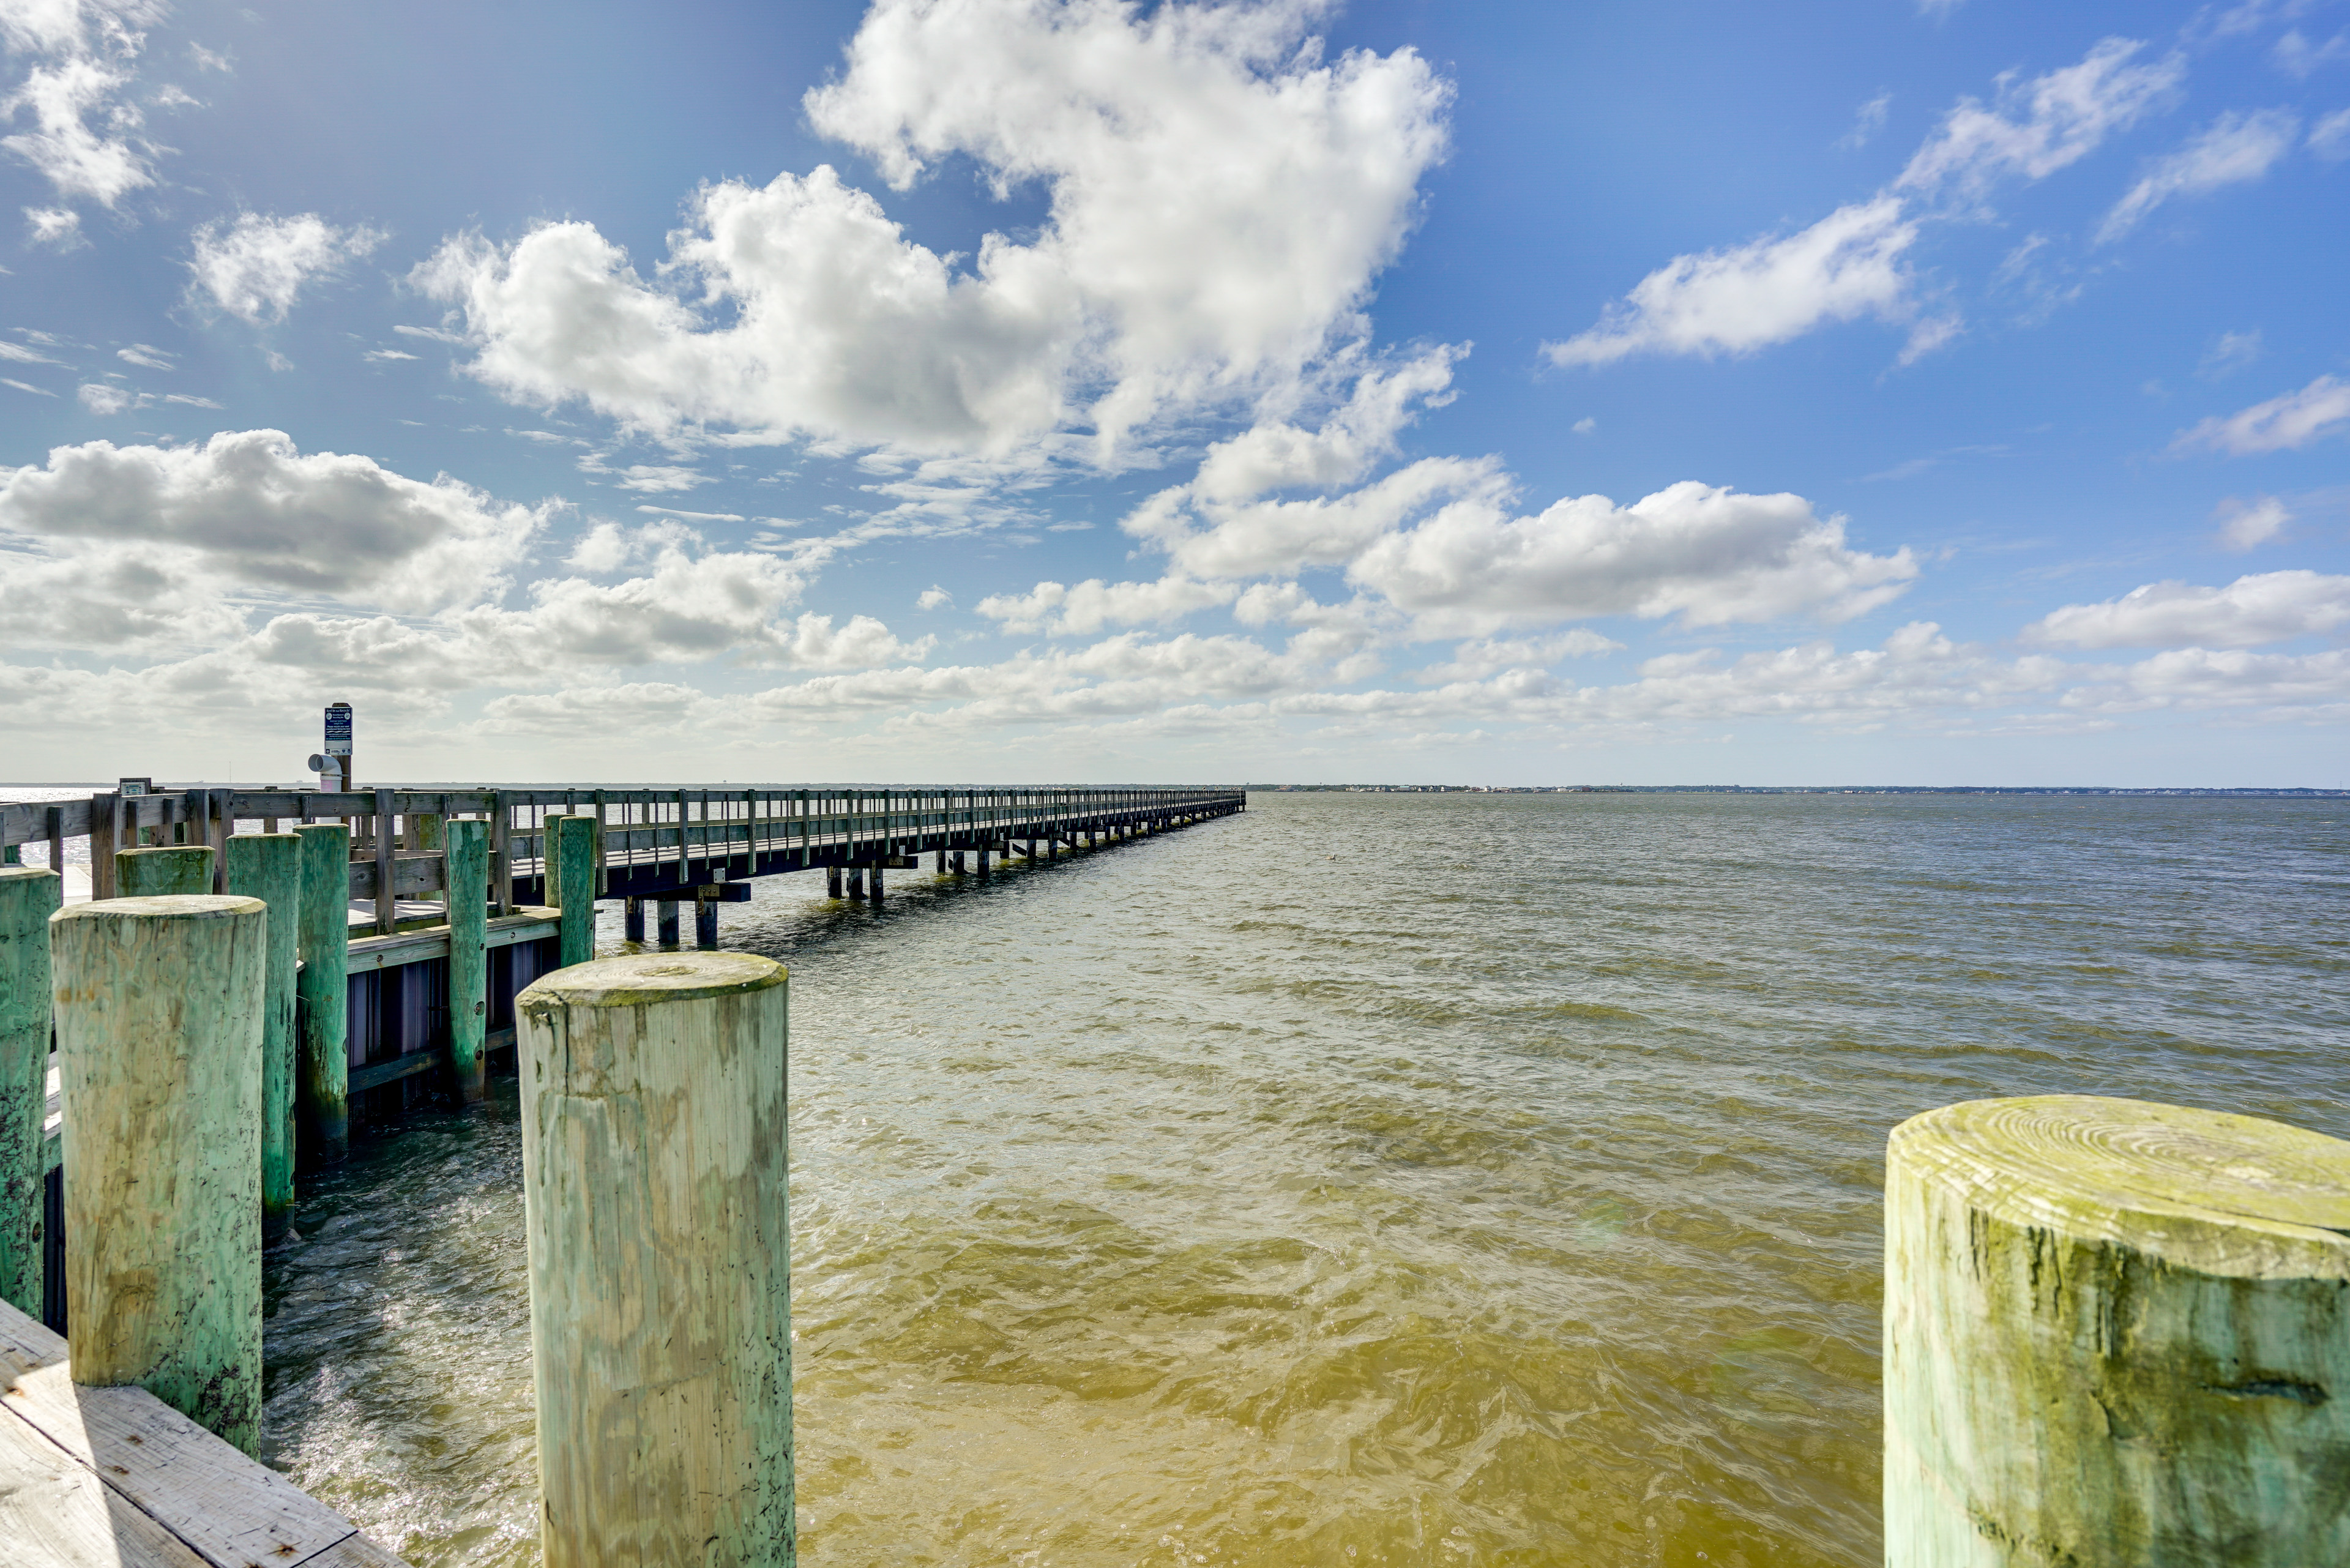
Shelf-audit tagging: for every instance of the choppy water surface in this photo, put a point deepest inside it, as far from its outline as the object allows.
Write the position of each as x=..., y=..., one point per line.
x=1366, y=1179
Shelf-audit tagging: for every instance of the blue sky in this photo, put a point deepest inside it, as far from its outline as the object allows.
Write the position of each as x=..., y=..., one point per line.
x=1677, y=393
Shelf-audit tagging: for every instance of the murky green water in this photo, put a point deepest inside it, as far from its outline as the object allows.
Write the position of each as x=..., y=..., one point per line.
x=1366, y=1179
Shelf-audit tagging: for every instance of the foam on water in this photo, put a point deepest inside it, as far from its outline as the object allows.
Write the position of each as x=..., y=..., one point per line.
x=1366, y=1180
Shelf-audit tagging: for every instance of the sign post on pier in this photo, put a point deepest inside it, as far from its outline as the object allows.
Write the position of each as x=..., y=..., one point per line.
x=337, y=774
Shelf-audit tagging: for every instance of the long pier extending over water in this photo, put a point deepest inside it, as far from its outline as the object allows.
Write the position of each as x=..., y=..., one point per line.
x=401, y=926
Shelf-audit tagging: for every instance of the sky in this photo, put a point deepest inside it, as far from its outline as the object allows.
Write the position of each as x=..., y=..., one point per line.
x=1010, y=390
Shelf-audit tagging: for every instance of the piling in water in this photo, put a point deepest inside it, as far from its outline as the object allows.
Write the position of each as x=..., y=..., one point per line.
x=655, y=1176
x=268, y=866
x=467, y=879
x=322, y=1062
x=162, y=873
x=28, y=897
x=2116, y=1332
x=571, y=883
x=159, y=1017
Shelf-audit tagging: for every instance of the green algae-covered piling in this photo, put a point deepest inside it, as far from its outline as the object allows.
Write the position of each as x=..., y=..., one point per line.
x=159, y=1017
x=322, y=1062
x=162, y=873
x=655, y=1176
x=29, y=895
x=467, y=879
x=2116, y=1332
x=268, y=866
x=570, y=856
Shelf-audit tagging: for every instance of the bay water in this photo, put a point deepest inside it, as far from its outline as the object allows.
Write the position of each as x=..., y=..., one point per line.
x=1364, y=1179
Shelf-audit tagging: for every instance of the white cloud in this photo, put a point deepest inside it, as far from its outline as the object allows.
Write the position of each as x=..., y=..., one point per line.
x=245, y=511
x=1585, y=426
x=646, y=478
x=697, y=516
x=935, y=598
x=1482, y=657
x=106, y=400
x=254, y=268
x=21, y=355
x=2232, y=352
x=2040, y=126
x=2330, y=137
x=1706, y=554
x=1062, y=611
x=2295, y=56
x=380, y=356
x=2245, y=524
x=1851, y=264
x=147, y=355
x=1221, y=198
x=2234, y=149
x=85, y=128
x=60, y=228
x=25, y=387
x=2269, y=608
x=2281, y=424
x=192, y=401
x=1867, y=123
x=1848, y=264
x=636, y=708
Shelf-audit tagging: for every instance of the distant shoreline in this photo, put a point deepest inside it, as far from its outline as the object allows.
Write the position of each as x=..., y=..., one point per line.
x=1800, y=789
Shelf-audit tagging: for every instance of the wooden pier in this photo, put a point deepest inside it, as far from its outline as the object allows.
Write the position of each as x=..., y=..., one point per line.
x=672, y=848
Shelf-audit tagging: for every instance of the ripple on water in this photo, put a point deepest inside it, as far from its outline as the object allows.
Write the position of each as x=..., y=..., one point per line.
x=1368, y=1180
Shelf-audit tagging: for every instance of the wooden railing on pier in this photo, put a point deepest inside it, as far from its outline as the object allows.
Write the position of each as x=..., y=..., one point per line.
x=652, y=841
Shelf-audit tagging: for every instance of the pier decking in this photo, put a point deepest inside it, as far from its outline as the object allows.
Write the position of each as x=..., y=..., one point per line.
x=114, y=1477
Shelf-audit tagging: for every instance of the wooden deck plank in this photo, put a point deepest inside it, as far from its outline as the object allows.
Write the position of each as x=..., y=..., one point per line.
x=56, y=1514
x=232, y=1512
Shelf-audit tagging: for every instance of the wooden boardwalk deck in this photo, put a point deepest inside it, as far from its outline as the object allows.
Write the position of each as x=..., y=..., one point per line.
x=114, y=1477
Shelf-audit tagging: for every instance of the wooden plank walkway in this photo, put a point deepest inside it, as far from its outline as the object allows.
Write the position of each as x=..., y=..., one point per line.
x=114, y=1477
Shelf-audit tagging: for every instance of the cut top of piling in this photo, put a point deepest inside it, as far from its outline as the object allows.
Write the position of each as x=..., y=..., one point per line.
x=2230, y=1195
x=643, y=978
x=178, y=906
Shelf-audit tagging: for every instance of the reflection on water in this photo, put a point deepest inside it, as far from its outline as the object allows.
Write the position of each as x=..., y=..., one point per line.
x=1366, y=1179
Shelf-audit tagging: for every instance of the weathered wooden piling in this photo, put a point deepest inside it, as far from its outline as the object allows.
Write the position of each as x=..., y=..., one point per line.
x=162, y=873
x=665, y=914
x=268, y=866
x=467, y=879
x=29, y=895
x=159, y=1019
x=571, y=883
x=832, y=881
x=632, y=919
x=2116, y=1332
x=655, y=1173
x=705, y=924
x=322, y=1067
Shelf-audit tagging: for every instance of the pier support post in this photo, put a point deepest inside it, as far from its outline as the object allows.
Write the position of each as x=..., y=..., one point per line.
x=160, y=1006
x=857, y=881
x=632, y=919
x=571, y=883
x=323, y=1064
x=655, y=1171
x=468, y=877
x=877, y=879
x=2116, y=1332
x=705, y=924
x=268, y=866
x=832, y=881
x=28, y=897
x=983, y=863
x=666, y=916
x=164, y=872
